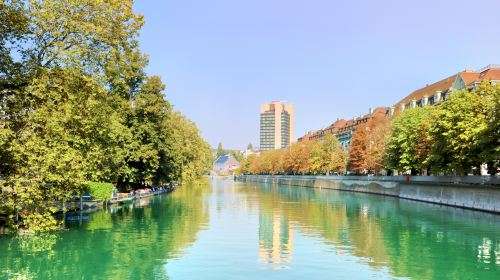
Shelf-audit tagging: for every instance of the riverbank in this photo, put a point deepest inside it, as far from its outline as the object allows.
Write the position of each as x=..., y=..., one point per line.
x=87, y=204
x=445, y=191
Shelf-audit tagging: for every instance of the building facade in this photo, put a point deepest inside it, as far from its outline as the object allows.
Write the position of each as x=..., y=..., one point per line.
x=277, y=121
x=429, y=95
x=225, y=165
x=439, y=91
x=344, y=129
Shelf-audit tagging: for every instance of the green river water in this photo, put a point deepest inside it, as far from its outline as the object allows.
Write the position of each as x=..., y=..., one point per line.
x=228, y=230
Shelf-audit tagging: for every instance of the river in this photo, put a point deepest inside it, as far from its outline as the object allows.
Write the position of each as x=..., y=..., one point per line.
x=228, y=230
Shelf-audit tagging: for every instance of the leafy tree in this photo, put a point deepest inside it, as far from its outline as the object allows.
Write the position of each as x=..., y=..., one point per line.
x=409, y=145
x=238, y=155
x=77, y=106
x=271, y=162
x=67, y=139
x=246, y=163
x=220, y=150
x=13, y=27
x=189, y=155
x=297, y=158
x=81, y=33
x=366, y=152
x=490, y=137
x=266, y=163
x=277, y=165
x=359, y=149
x=457, y=132
x=255, y=165
x=327, y=156
x=148, y=128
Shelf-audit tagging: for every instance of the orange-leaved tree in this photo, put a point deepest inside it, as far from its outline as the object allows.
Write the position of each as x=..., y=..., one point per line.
x=296, y=159
x=366, y=152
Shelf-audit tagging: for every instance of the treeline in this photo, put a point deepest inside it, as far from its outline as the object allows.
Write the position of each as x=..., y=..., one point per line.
x=306, y=157
x=238, y=155
x=76, y=105
x=454, y=137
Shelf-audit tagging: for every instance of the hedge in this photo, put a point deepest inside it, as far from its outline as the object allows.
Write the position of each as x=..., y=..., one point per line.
x=100, y=191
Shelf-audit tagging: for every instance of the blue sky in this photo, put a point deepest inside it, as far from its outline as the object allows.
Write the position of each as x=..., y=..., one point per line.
x=221, y=59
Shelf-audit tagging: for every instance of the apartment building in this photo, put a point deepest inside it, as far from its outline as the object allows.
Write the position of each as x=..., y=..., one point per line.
x=277, y=121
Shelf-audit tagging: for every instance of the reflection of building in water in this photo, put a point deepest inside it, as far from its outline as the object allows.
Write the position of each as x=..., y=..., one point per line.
x=487, y=253
x=275, y=239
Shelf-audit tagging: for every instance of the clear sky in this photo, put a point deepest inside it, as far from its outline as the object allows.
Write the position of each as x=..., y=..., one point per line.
x=221, y=59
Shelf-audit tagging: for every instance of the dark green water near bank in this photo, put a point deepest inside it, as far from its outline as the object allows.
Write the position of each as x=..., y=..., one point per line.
x=228, y=230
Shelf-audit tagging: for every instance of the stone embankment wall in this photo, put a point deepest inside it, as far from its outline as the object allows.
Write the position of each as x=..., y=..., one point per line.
x=453, y=192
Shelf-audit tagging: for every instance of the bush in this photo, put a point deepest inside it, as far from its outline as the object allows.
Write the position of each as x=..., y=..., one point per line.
x=100, y=191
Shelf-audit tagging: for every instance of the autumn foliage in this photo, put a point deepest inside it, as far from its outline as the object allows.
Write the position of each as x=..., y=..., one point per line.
x=306, y=157
x=367, y=150
x=458, y=136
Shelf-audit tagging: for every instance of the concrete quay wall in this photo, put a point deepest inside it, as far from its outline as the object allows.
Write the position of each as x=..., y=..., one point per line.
x=478, y=197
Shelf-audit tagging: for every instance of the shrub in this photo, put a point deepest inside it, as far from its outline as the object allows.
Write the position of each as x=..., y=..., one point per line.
x=100, y=191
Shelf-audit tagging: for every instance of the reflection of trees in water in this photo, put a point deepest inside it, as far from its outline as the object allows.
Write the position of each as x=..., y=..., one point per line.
x=412, y=239
x=127, y=244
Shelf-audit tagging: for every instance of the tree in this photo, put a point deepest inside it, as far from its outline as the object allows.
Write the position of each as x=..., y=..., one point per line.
x=80, y=33
x=238, y=155
x=183, y=155
x=366, y=152
x=76, y=105
x=409, y=143
x=296, y=159
x=67, y=139
x=220, y=150
x=457, y=132
x=148, y=127
x=250, y=147
x=246, y=163
x=359, y=149
x=13, y=28
x=327, y=155
x=255, y=165
x=277, y=166
x=490, y=137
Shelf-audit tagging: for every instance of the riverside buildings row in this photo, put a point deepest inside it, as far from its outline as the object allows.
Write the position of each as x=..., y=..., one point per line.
x=344, y=129
x=439, y=91
x=277, y=118
x=429, y=95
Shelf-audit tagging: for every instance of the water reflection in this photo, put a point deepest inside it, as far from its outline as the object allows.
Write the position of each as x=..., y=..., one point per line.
x=130, y=242
x=275, y=240
x=251, y=231
x=411, y=239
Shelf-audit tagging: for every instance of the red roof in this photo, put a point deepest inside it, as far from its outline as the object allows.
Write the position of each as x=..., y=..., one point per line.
x=342, y=126
x=491, y=72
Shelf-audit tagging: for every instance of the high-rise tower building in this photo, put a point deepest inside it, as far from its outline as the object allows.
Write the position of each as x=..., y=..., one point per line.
x=276, y=125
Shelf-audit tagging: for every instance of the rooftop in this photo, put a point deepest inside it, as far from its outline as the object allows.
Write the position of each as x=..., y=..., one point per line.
x=222, y=159
x=468, y=77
